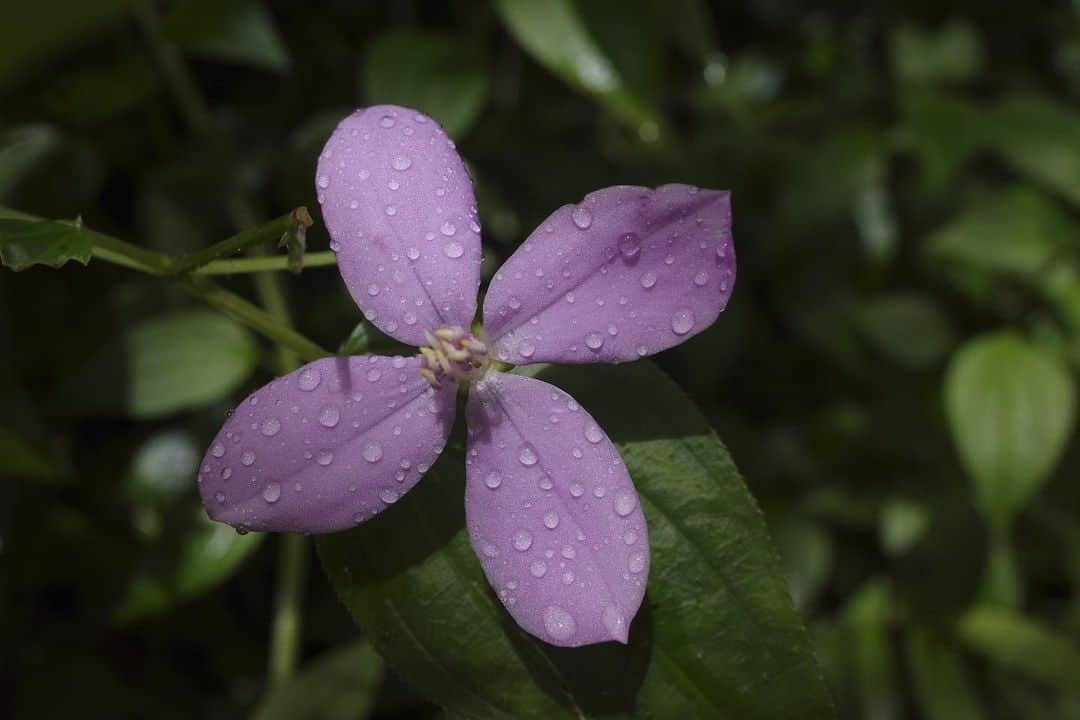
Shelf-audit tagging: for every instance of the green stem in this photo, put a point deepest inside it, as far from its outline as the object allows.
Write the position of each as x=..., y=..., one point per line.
x=263, y=264
x=175, y=73
x=288, y=613
x=294, y=223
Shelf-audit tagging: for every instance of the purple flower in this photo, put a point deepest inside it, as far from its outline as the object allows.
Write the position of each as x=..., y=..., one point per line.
x=552, y=513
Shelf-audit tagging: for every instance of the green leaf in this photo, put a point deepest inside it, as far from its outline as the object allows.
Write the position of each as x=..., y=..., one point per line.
x=556, y=36
x=25, y=243
x=942, y=684
x=867, y=615
x=951, y=54
x=175, y=362
x=443, y=74
x=237, y=31
x=1040, y=138
x=1016, y=231
x=1019, y=643
x=339, y=685
x=945, y=131
x=907, y=327
x=21, y=149
x=716, y=637
x=358, y=341
x=903, y=524
x=806, y=555
x=192, y=555
x=1010, y=407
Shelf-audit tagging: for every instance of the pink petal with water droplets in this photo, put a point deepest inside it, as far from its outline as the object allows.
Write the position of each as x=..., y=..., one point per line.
x=326, y=447
x=552, y=513
x=624, y=274
x=399, y=206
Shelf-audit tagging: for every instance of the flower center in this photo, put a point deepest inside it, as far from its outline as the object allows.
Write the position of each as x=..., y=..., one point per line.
x=455, y=353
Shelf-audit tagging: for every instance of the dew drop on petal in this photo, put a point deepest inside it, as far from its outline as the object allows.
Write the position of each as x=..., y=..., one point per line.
x=522, y=540
x=324, y=181
x=629, y=245
x=272, y=492
x=329, y=416
x=412, y=253
x=219, y=496
x=527, y=455
x=538, y=568
x=526, y=349
x=614, y=622
x=593, y=434
x=271, y=427
x=636, y=563
x=389, y=495
x=448, y=228
x=582, y=217
x=625, y=502
x=309, y=379
x=454, y=250
x=218, y=450
x=648, y=280
x=493, y=480
x=324, y=457
x=401, y=163
x=387, y=121
x=682, y=321
x=247, y=458
x=559, y=624
x=577, y=489
x=594, y=340
x=373, y=452
x=551, y=519
x=701, y=278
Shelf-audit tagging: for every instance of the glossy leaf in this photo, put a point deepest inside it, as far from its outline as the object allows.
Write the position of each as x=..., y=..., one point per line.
x=908, y=328
x=556, y=35
x=338, y=685
x=1011, y=407
x=175, y=362
x=445, y=75
x=25, y=243
x=1019, y=643
x=237, y=31
x=1039, y=138
x=716, y=636
x=193, y=555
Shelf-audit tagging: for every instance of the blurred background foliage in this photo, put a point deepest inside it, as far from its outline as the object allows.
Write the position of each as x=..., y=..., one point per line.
x=895, y=374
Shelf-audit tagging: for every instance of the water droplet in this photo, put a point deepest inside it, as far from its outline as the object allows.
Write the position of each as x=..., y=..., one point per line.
x=219, y=496
x=412, y=253
x=389, y=495
x=593, y=434
x=409, y=317
x=637, y=561
x=489, y=550
x=629, y=245
x=545, y=482
x=373, y=375
x=247, y=459
x=454, y=250
x=401, y=163
x=218, y=450
x=577, y=489
x=527, y=455
x=373, y=452
x=522, y=540
x=642, y=351
x=493, y=480
x=515, y=302
x=271, y=427
x=551, y=519
x=226, y=473
x=568, y=577
x=582, y=217
x=324, y=181
x=391, y=210
x=538, y=568
x=329, y=416
x=324, y=457
x=309, y=379
x=272, y=492
x=373, y=289
x=615, y=622
x=625, y=502
x=570, y=298
x=387, y=121
x=559, y=623
x=594, y=340
x=701, y=278
x=682, y=321
x=648, y=280
x=630, y=537
x=448, y=229
x=599, y=491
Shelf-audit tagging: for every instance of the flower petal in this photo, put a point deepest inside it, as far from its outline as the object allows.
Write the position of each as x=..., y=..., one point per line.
x=326, y=447
x=399, y=206
x=552, y=513
x=626, y=273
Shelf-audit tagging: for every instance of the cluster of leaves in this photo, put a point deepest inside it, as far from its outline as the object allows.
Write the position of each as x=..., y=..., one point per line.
x=895, y=374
